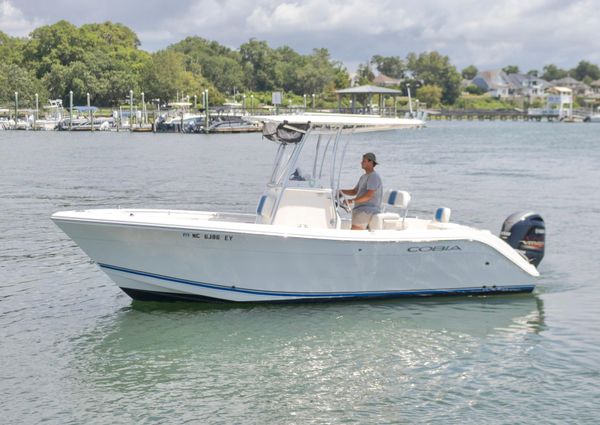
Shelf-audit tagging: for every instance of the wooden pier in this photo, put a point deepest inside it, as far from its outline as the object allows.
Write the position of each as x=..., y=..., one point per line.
x=487, y=115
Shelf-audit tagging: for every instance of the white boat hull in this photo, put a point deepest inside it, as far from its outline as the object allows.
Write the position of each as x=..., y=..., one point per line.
x=204, y=258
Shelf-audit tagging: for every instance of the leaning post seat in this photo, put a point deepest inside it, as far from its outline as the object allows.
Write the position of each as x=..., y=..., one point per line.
x=442, y=215
x=387, y=220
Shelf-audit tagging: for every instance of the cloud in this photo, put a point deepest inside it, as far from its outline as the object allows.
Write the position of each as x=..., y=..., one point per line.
x=528, y=33
x=14, y=22
x=370, y=17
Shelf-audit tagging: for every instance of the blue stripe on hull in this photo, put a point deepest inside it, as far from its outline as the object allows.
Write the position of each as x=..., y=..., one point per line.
x=324, y=296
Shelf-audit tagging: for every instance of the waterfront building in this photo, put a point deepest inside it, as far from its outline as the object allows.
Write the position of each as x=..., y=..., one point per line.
x=498, y=83
x=383, y=80
x=579, y=88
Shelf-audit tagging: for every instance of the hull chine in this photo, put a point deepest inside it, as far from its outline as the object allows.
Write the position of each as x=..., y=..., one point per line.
x=154, y=296
x=204, y=292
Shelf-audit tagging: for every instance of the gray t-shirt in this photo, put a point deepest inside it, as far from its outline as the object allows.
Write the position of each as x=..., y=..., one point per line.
x=366, y=182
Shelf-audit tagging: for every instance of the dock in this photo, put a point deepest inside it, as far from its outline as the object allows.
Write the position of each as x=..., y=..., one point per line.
x=488, y=115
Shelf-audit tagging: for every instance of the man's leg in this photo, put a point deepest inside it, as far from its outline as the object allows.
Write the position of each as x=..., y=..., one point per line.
x=360, y=220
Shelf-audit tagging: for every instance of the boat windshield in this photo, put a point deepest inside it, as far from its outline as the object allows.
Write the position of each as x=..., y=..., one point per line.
x=305, y=158
x=311, y=147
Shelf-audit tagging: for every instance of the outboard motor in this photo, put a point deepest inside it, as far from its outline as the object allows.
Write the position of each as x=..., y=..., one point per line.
x=526, y=232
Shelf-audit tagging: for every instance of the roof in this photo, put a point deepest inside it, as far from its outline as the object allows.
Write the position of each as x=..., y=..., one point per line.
x=368, y=90
x=85, y=108
x=385, y=80
x=558, y=89
x=522, y=80
x=569, y=82
x=496, y=79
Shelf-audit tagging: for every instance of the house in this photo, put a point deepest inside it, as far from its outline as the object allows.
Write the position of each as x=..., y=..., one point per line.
x=559, y=104
x=578, y=87
x=595, y=88
x=527, y=85
x=385, y=81
x=498, y=83
x=495, y=83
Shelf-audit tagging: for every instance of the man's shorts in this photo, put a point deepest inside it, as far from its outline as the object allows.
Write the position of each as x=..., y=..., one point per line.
x=361, y=218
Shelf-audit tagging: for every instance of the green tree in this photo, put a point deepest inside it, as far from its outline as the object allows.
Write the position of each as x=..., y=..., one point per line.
x=259, y=62
x=111, y=34
x=392, y=66
x=165, y=75
x=289, y=66
x=285, y=69
x=552, y=72
x=11, y=49
x=341, y=78
x=60, y=43
x=511, y=69
x=585, y=69
x=430, y=94
x=14, y=78
x=469, y=72
x=319, y=72
x=102, y=59
x=217, y=63
x=434, y=69
x=474, y=89
x=365, y=74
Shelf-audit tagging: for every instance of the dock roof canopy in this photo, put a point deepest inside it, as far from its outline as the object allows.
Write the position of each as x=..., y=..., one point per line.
x=369, y=90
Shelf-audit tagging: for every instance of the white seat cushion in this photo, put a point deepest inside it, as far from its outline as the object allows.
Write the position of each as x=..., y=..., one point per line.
x=384, y=221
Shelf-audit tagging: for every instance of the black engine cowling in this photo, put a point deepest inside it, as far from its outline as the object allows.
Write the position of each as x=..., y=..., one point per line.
x=526, y=232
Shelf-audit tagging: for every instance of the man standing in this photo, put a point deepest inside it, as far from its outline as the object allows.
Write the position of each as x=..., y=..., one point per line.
x=368, y=193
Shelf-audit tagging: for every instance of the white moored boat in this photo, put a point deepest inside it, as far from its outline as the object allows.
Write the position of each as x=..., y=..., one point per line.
x=298, y=246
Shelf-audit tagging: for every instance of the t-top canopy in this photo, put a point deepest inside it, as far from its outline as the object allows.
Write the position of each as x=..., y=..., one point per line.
x=369, y=90
x=336, y=121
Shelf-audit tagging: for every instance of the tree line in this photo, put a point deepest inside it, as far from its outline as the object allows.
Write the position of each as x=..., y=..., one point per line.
x=105, y=60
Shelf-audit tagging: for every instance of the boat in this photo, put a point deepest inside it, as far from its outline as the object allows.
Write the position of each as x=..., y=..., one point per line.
x=593, y=116
x=52, y=117
x=232, y=124
x=298, y=246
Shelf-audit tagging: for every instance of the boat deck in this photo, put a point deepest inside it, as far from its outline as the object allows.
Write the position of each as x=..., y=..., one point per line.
x=234, y=221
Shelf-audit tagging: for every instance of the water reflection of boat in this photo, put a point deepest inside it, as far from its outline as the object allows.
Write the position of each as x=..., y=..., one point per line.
x=207, y=329
x=476, y=316
x=298, y=245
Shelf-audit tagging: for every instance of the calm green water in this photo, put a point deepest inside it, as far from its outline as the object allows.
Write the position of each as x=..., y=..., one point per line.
x=74, y=349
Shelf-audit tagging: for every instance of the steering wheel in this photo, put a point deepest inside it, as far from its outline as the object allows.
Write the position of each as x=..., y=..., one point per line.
x=340, y=201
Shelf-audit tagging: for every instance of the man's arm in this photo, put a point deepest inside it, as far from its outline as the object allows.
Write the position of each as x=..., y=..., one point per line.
x=366, y=197
x=350, y=192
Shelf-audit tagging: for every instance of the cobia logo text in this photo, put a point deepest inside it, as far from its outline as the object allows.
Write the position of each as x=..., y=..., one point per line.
x=434, y=248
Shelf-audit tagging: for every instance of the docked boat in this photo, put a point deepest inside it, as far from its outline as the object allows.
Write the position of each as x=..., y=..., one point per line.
x=592, y=118
x=298, y=246
x=53, y=116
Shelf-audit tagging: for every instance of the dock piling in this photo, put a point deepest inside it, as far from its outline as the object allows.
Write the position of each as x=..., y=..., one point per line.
x=35, y=114
x=70, y=110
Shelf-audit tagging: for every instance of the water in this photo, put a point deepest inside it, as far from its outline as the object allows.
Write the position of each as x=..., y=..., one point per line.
x=74, y=349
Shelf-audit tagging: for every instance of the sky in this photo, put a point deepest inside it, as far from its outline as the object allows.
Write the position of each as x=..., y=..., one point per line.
x=489, y=35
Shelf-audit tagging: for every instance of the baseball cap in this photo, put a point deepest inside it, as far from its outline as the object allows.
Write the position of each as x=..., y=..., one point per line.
x=371, y=157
